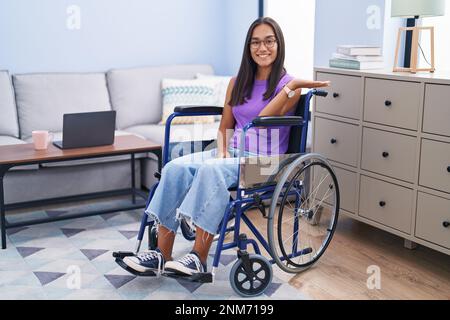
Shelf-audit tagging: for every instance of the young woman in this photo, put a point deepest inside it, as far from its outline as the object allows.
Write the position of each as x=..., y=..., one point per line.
x=195, y=187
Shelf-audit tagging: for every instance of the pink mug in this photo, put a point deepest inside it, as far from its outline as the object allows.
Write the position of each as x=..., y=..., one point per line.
x=41, y=139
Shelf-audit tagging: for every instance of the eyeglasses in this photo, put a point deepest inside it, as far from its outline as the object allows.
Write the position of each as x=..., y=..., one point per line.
x=269, y=43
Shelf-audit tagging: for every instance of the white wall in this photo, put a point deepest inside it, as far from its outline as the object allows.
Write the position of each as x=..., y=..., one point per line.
x=442, y=43
x=239, y=14
x=49, y=36
x=391, y=26
x=347, y=22
x=296, y=18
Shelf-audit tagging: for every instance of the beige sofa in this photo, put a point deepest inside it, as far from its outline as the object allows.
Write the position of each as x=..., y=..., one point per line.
x=38, y=101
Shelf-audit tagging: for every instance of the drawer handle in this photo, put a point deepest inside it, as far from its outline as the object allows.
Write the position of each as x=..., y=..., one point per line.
x=333, y=141
x=448, y=169
x=388, y=103
x=446, y=224
x=382, y=204
x=385, y=154
x=336, y=95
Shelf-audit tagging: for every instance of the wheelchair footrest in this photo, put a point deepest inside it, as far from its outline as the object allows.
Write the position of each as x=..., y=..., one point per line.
x=203, y=277
x=122, y=254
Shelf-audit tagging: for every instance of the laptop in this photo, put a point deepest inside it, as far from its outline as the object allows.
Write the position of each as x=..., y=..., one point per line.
x=87, y=129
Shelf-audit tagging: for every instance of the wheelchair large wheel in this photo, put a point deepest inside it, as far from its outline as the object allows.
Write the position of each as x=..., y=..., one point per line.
x=251, y=283
x=303, y=214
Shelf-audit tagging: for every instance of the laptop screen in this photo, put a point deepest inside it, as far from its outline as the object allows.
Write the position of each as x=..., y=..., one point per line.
x=88, y=129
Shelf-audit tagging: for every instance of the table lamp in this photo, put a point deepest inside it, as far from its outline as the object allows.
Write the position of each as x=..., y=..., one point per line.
x=415, y=9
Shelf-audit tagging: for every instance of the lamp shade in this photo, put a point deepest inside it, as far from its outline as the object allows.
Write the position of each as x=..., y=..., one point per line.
x=421, y=8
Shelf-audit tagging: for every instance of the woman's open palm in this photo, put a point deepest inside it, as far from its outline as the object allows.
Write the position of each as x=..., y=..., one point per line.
x=309, y=84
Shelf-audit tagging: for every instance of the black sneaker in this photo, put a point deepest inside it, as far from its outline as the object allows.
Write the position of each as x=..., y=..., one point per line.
x=152, y=260
x=187, y=265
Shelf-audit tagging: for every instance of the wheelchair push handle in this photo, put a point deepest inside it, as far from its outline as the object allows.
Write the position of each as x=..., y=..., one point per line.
x=320, y=93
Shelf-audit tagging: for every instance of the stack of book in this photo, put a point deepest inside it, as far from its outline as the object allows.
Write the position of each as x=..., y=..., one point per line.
x=359, y=57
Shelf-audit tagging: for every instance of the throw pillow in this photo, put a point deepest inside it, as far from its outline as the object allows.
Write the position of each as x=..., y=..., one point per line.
x=195, y=92
x=220, y=86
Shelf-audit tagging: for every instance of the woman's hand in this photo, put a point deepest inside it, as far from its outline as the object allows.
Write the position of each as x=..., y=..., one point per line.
x=308, y=84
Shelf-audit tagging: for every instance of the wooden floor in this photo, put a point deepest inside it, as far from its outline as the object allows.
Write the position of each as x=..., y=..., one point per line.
x=341, y=273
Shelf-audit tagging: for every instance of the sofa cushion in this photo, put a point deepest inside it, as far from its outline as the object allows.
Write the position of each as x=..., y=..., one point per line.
x=136, y=93
x=8, y=119
x=62, y=182
x=43, y=99
x=178, y=133
x=8, y=140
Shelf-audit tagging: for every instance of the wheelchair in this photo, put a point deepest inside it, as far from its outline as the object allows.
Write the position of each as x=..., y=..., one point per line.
x=298, y=197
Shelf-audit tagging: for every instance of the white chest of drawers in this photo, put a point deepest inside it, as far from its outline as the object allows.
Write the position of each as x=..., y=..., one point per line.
x=388, y=138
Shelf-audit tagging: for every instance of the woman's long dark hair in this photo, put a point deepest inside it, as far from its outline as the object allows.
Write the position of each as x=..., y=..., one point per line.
x=245, y=80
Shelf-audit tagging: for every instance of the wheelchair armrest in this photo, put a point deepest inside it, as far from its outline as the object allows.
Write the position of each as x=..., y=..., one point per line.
x=212, y=110
x=277, y=121
x=320, y=93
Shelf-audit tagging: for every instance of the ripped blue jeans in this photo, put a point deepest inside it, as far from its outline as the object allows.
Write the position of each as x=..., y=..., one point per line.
x=194, y=187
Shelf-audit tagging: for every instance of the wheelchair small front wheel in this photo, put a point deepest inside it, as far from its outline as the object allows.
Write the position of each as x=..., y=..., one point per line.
x=253, y=282
x=187, y=231
x=301, y=224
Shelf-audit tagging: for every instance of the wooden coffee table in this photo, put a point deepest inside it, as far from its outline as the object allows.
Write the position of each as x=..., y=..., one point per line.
x=24, y=154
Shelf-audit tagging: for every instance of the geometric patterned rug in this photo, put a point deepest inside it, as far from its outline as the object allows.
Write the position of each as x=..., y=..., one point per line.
x=72, y=259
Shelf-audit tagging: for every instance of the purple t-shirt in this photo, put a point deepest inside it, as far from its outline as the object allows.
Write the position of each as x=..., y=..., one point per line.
x=262, y=141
